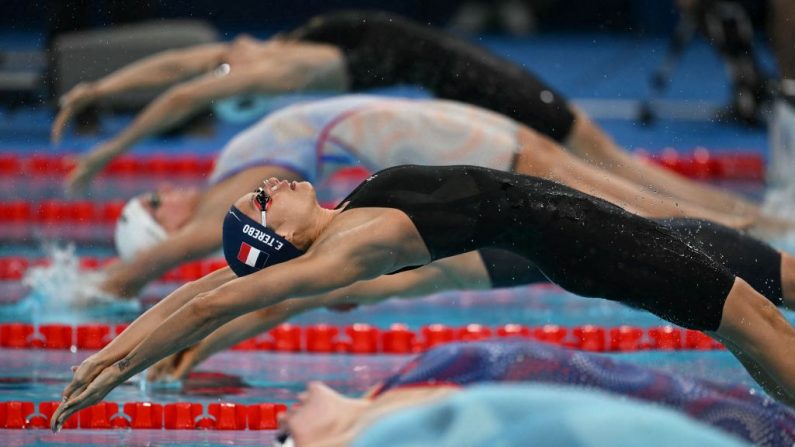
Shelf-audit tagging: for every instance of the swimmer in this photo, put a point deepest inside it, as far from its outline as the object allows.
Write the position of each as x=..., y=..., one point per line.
x=281, y=244
x=768, y=271
x=355, y=51
x=312, y=141
x=447, y=370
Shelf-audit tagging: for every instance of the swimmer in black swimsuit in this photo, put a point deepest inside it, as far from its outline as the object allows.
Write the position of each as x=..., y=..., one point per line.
x=767, y=270
x=354, y=51
x=408, y=216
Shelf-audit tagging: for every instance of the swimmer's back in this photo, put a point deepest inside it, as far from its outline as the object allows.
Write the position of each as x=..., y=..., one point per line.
x=384, y=49
x=317, y=138
x=584, y=244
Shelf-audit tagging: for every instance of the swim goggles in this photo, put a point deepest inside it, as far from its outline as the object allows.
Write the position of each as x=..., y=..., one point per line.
x=263, y=201
x=283, y=439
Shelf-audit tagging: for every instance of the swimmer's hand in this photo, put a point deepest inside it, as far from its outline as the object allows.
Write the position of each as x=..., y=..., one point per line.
x=174, y=367
x=121, y=281
x=91, y=382
x=88, y=167
x=74, y=101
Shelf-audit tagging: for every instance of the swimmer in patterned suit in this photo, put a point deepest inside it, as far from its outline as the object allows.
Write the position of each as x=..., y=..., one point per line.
x=315, y=140
x=449, y=369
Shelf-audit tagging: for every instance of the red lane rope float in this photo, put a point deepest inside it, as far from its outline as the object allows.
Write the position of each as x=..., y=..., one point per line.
x=362, y=338
x=61, y=212
x=699, y=163
x=13, y=268
x=146, y=415
x=706, y=165
x=61, y=217
x=50, y=165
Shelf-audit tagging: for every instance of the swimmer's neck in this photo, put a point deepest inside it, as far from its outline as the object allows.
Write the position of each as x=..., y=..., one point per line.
x=320, y=220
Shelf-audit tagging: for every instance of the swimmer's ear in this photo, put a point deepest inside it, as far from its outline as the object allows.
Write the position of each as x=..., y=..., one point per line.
x=74, y=368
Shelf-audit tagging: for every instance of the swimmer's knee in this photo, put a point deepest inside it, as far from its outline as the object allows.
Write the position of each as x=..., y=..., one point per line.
x=788, y=280
x=749, y=317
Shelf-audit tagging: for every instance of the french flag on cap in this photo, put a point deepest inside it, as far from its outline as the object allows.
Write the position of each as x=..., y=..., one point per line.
x=251, y=256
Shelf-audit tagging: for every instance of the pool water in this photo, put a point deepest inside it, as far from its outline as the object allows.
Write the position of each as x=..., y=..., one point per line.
x=255, y=377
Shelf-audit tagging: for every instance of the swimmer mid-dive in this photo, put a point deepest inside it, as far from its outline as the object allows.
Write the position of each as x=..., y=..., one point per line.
x=282, y=244
x=312, y=141
x=357, y=51
x=768, y=271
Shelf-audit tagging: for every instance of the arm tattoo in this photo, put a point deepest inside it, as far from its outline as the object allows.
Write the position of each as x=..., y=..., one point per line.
x=123, y=364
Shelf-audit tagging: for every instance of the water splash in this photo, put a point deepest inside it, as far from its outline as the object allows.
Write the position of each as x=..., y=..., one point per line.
x=62, y=291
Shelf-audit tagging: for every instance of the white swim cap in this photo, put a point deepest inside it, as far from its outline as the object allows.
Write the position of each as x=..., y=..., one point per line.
x=136, y=230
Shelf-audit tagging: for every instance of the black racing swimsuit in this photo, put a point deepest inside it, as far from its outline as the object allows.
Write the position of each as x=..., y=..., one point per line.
x=752, y=260
x=383, y=49
x=584, y=244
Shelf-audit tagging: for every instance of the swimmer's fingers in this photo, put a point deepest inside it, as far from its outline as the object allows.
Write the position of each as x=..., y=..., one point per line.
x=88, y=167
x=185, y=365
x=162, y=370
x=71, y=104
x=63, y=117
x=93, y=393
x=173, y=367
x=77, y=181
x=82, y=375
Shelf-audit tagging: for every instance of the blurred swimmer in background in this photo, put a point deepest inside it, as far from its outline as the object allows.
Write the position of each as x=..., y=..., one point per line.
x=312, y=141
x=354, y=51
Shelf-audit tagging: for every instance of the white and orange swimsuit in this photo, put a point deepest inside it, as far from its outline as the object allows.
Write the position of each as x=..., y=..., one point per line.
x=318, y=138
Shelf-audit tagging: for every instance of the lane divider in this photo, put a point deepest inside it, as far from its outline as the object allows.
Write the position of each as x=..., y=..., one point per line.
x=146, y=415
x=700, y=163
x=62, y=214
x=13, y=268
x=155, y=165
x=362, y=338
x=705, y=165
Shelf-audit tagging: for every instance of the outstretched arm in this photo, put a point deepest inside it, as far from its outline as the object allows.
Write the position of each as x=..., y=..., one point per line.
x=126, y=279
x=464, y=271
x=179, y=103
x=159, y=69
x=143, y=325
x=369, y=251
x=196, y=239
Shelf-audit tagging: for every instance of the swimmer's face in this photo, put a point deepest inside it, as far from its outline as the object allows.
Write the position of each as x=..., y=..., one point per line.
x=290, y=210
x=171, y=207
x=321, y=414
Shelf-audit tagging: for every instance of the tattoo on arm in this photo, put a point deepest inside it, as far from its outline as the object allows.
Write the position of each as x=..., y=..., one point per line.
x=123, y=364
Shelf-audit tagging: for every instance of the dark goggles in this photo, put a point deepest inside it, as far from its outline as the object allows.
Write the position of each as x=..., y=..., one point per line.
x=154, y=201
x=263, y=201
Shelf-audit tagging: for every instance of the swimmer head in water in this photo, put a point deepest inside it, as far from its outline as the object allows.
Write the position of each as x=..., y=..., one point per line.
x=320, y=414
x=149, y=218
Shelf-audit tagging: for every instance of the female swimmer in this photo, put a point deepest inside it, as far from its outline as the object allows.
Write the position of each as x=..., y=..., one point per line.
x=357, y=51
x=312, y=141
x=282, y=244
